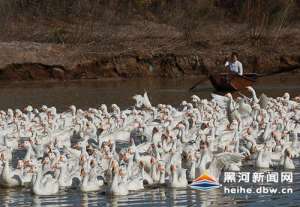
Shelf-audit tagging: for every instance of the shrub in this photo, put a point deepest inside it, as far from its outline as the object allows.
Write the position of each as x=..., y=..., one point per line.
x=57, y=35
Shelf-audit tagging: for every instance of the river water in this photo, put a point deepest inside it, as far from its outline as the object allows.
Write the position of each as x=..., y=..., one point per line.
x=85, y=94
x=92, y=93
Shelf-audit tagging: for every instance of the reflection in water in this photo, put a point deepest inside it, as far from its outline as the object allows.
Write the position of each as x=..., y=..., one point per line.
x=151, y=197
x=84, y=200
x=36, y=201
x=86, y=94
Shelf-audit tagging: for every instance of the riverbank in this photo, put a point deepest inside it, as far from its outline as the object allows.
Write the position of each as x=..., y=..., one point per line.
x=72, y=40
x=40, y=61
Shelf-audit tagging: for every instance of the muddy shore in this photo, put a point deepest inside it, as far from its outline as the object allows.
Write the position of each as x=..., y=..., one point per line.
x=39, y=61
x=71, y=40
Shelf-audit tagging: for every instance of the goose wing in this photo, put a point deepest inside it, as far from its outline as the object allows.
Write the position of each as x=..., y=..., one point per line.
x=222, y=101
x=244, y=108
x=219, y=161
x=147, y=102
x=263, y=101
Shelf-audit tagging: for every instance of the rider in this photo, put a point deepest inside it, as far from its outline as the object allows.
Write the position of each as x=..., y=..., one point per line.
x=234, y=65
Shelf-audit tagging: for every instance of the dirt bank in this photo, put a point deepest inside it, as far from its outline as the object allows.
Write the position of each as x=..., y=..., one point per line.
x=81, y=39
x=37, y=61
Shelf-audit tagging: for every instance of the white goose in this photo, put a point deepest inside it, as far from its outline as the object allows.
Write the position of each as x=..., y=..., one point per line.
x=286, y=161
x=9, y=178
x=223, y=128
x=177, y=178
x=135, y=182
x=154, y=171
x=219, y=162
x=64, y=177
x=264, y=158
x=44, y=184
x=90, y=184
x=118, y=186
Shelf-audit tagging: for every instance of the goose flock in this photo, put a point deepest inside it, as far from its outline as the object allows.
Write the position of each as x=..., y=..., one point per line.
x=118, y=151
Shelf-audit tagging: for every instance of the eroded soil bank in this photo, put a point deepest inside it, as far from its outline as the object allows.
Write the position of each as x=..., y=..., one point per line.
x=41, y=40
x=38, y=61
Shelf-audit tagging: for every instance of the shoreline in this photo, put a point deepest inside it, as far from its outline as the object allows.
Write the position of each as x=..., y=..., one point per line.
x=25, y=61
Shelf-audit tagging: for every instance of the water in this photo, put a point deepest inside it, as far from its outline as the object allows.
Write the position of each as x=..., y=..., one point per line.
x=85, y=94
x=154, y=197
x=88, y=93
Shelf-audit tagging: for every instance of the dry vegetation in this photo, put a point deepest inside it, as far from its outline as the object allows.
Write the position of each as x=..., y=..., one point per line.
x=69, y=32
x=155, y=26
x=92, y=21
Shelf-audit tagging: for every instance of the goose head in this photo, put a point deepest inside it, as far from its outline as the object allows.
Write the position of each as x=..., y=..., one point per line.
x=229, y=95
x=287, y=153
x=252, y=91
x=46, y=160
x=141, y=164
x=234, y=125
x=161, y=166
x=139, y=100
x=195, y=99
x=20, y=164
x=28, y=109
x=204, y=144
x=2, y=156
x=249, y=88
x=44, y=108
x=173, y=168
x=115, y=108
x=10, y=112
x=286, y=96
x=183, y=103
x=83, y=172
